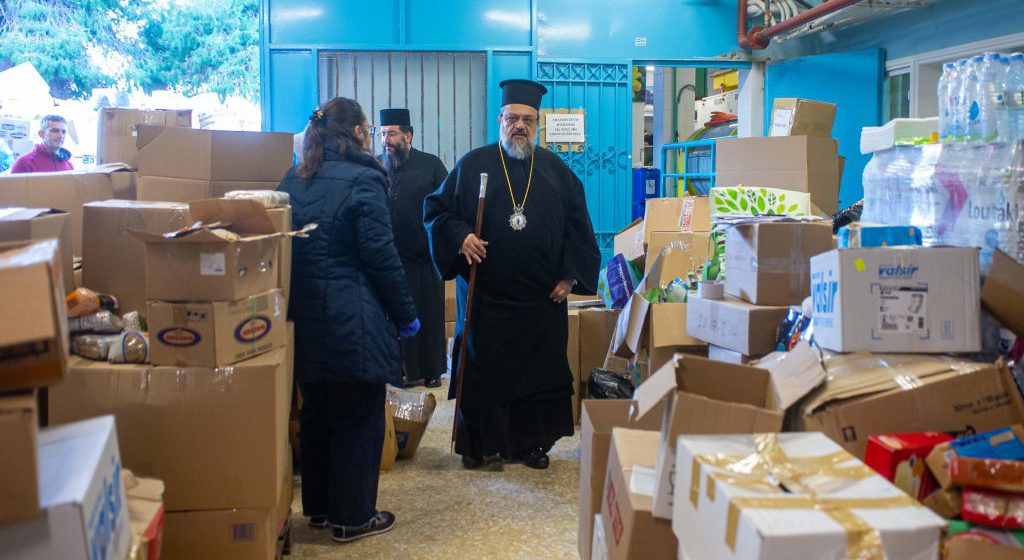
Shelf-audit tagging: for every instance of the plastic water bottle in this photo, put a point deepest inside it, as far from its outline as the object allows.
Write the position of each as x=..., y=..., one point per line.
x=1015, y=98
x=971, y=94
x=990, y=98
x=959, y=107
x=945, y=97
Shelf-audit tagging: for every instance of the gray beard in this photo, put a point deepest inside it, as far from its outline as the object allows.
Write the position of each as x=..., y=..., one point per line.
x=517, y=151
x=394, y=160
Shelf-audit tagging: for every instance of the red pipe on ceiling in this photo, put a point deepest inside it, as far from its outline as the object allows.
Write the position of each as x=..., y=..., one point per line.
x=758, y=38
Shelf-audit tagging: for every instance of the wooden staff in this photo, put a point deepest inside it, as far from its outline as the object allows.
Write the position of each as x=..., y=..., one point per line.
x=469, y=310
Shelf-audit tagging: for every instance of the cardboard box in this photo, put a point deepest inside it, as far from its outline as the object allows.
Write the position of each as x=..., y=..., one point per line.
x=85, y=510
x=749, y=514
x=597, y=326
x=720, y=354
x=768, y=263
x=216, y=437
x=993, y=460
x=733, y=324
x=897, y=299
x=117, y=131
x=36, y=224
x=228, y=534
x=219, y=333
x=213, y=155
x=975, y=549
x=449, y=329
x=797, y=163
x=629, y=242
x=692, y=249
x=389, y=452
x=67, y=191
x=411, y=412
x=759, y=201
x=666, y=334
x=1003, y=293
x=174, y=189
x=872, y=394
x=113, y=260
x=19, y=471
x=450, y=302
x=947, y=504
x=205, y=264
x=631, y=530
x=282, y=220
x=572, y=352
x=34, y=338
x=899, y=458
x=703, y=397
x=802, y=117
x=631, y=327
x=597, y=420
x=676, y=214
x=146, y=515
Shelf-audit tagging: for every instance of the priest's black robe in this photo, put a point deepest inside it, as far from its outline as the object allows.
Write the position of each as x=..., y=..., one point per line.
x=421, y=174
x=518, y=387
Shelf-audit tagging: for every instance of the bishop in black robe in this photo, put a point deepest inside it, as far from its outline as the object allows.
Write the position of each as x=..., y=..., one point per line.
x=517, y=390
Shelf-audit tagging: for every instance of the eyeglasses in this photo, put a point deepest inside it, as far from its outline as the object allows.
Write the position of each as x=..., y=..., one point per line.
x=390, y=134
x=511, y=119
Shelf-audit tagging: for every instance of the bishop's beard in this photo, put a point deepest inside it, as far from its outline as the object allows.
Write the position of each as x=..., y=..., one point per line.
x=395, y=159
x=517, y=150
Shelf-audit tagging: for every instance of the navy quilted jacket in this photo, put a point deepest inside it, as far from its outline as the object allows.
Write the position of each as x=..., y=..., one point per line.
x=348, y=292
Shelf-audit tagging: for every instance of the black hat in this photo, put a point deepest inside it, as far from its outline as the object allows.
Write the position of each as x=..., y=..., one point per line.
x=522, y=92
x=394, y=117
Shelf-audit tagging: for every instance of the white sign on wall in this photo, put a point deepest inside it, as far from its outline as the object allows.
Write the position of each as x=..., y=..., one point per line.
x=564, y=128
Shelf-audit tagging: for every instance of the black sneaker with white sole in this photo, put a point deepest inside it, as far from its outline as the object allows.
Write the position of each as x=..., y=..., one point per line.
x=383, y=522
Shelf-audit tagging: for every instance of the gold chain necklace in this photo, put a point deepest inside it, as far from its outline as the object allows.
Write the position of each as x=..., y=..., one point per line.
x=517, y=220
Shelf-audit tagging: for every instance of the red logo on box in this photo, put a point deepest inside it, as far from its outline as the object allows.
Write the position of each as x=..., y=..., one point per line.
x=179, y=337
x=613, y=510
x=253, y=329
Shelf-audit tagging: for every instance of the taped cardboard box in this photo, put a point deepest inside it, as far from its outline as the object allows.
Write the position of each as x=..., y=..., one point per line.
x=175, y=189
x=720, y=354
x=113, y=260
x=34, y=339
x=213, y=155
x=676, y=214
x=216, y=437
x=597, y=420
x=631, y=530
x=873, y=394
x=84, y=505
x=67, y=191
x=146, y=515
x=846, y=511
x=19, y=471
x=228, y=534
x=218, y=333
x=597, y=327
x=792, y=116
x=691, y=252
x=207, y=263
x=807, y=164
x=734, y=324
x=36, y=224
x=630, y=242
x=897, y=299
x=117, y=131
x=666, y=330
x=768, y=263
x=1003, y=293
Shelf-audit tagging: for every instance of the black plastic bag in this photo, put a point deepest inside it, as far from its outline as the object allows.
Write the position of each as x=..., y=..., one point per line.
x=847, y=216
x=604, y=384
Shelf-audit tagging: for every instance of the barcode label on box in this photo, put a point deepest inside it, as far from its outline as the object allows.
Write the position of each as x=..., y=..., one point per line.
x=212, y=264
x=243, y=532
x=902, y=309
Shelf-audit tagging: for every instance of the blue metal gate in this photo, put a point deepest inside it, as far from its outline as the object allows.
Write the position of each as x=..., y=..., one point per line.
x=602, y=91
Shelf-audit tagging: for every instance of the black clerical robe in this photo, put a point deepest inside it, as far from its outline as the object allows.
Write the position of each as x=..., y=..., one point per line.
x=419, y=176
x=515, y=354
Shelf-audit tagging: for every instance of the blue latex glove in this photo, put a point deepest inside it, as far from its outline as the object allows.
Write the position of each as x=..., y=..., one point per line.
x=410, y=329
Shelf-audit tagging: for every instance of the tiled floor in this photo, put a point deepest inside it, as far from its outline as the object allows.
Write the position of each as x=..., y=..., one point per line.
x=444, y=511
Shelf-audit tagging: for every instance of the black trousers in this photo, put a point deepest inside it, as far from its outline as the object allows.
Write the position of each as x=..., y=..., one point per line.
x=341, y=426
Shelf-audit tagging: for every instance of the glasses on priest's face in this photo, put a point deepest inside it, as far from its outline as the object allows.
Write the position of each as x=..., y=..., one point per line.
x=511, y=119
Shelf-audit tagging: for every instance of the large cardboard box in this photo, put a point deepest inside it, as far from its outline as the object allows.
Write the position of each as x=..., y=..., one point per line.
x=631, y=530
x=792, y=116
x=213, y=155
x=630, y=242
x=227, y=534
x=216, y=333
x=210, y=264
x=897, y=299
x=19, y=471
x=738, y=510
x=1003, y=293
x=67, y=191
x=769, y=263
x=117, y=131
x=36, y=224
x=666, y=334
x=692, y=249
x=807, y=164
x=597, y=326
x=113, y=260
x=572, y=352
x=874, y=394
x=85, y=508
x=175, y=189
x=216, y=437
x=677, y=214
x=734, y=324
x=702, y=396
x=34, y=332
x=598, y=419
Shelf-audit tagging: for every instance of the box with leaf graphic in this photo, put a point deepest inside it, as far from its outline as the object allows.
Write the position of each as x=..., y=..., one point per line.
x=759, y=201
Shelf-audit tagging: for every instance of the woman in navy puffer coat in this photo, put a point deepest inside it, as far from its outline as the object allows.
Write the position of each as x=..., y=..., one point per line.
x=350, y=303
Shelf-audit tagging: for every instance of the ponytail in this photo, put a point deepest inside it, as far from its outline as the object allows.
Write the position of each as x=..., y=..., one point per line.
x=332, y=124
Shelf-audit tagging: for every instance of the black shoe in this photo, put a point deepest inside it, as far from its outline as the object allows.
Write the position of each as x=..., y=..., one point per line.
x=536, y=459
x=432, y=383
x=318, y=521
x=410, y=383
x=470, y=462
x=383, y=522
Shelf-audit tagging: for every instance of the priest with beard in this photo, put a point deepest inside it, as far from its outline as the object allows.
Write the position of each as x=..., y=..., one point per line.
x=414, y=175
x=536, y=247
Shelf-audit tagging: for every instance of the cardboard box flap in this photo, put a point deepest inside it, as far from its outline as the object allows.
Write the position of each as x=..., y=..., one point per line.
x=631, y=225
x=16, y=213
x=111, y=168
x=863, y=374
x=244, y=216
x=1003, y=292
x=653, y=392
x=28, y=254
x=745, y=384
x=630, y=326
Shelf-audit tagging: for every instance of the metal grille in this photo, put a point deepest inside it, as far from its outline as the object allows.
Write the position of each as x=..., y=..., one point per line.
x=445, y=92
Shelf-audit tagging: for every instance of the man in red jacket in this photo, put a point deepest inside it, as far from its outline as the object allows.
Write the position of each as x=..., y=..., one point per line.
x=50, y=155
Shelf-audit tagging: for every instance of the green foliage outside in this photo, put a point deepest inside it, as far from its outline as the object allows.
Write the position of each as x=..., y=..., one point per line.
x=188, y=46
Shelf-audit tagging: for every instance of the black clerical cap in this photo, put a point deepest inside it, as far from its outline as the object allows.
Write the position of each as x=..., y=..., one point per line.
x=522, y=92
x=394, y=117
